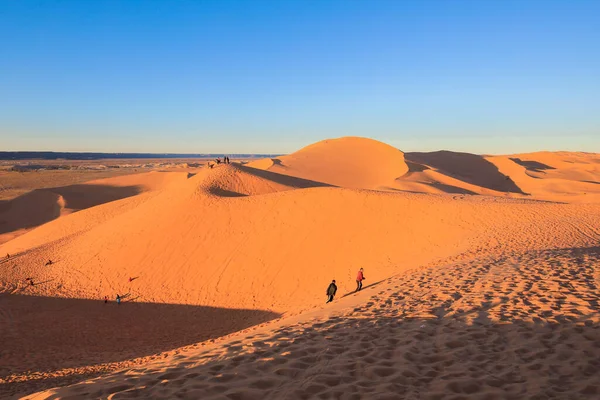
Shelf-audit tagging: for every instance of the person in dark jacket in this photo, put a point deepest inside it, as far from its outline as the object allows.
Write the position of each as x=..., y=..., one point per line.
x=331, y=290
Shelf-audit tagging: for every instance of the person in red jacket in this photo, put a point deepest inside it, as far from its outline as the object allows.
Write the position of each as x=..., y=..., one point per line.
x=359, y=278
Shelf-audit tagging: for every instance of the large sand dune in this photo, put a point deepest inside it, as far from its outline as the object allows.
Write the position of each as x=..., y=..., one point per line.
x=348, y=162
x=229, y=247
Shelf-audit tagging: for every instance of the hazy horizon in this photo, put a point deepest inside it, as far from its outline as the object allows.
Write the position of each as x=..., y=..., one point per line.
x=274, y=76
x=267, y=154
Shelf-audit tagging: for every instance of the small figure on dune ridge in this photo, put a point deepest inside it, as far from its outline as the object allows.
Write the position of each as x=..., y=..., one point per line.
x=7, y=256
x=105, y=299
x=331, y=291
x=118, y=299
x=359, y=278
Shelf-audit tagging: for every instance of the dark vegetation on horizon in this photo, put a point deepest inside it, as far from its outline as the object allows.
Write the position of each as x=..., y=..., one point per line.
x=51, y=155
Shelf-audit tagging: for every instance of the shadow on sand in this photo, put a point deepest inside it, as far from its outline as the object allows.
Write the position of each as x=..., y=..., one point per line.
x=532, y=165
x=45, y=333
x=43, y=205
x=373, y=354
x=287, y=180
x=467, y=167
x=365, y=287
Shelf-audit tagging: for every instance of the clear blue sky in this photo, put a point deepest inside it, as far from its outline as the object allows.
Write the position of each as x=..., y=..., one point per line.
x=272, y=76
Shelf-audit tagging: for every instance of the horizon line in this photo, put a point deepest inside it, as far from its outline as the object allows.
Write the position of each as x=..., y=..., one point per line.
x=166, y=155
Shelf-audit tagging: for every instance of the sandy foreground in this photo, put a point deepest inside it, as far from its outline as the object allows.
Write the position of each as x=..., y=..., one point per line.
x=482, y=280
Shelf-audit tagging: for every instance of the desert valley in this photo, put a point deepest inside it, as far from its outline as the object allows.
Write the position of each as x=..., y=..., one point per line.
x=482, y=277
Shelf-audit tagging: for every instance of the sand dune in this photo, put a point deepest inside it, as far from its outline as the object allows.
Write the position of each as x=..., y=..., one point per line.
x=348, y=162
x=190, y=246
x=473, y=257
x=469, y=168
x=564, y=177
x=37, y=207
x=367, y=164
x=239, y=180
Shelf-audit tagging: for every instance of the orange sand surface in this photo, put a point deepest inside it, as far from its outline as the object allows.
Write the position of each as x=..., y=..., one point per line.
x=482, y=279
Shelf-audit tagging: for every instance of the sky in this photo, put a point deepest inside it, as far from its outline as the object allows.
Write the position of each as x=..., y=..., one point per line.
x=492, y=76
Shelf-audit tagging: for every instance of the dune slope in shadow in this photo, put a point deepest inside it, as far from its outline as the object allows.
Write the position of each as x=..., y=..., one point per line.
x=470, y=168
x=40, y=206
x=239, y=181
x=535, y=166
x=45, y=334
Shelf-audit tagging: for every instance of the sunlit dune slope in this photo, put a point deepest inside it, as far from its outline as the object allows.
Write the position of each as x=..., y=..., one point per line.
x=240, y=237
x=271, y=234
x=349, y=162
x=37, y=207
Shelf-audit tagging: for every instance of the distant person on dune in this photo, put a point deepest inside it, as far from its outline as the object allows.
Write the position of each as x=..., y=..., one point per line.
x=118, y=299
x=331, y=290
x=359, y=278
x=7, y=256
x=105, y=299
